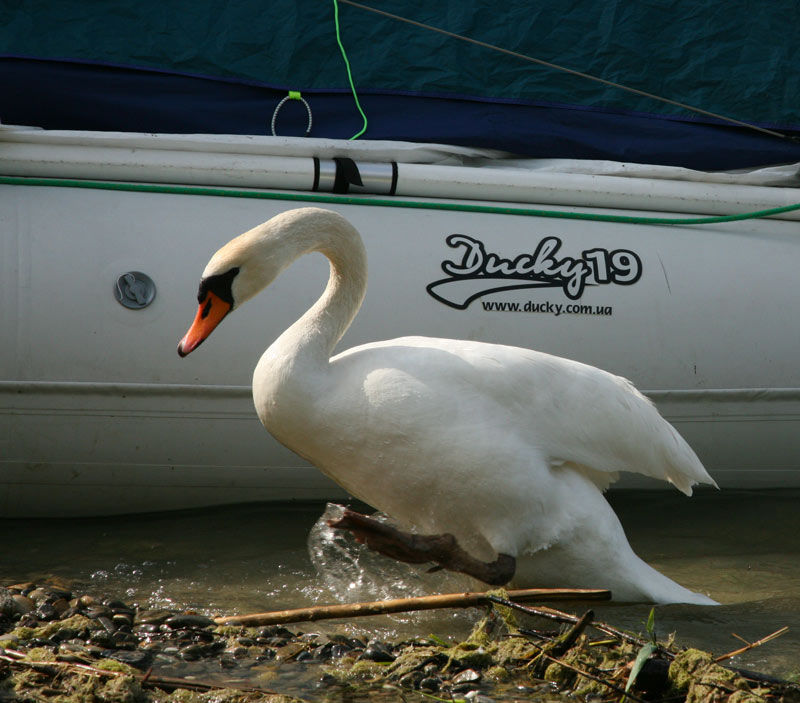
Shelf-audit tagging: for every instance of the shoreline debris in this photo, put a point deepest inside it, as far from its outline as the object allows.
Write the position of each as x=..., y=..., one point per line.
x=60, y=647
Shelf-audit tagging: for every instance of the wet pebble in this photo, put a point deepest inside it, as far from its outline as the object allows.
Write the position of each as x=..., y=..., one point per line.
x=467, y=676
x=475, y=697
x=147, y=628
x=46, y=612
x=273, y=641
x=153, y=617
x=22, y=604
x=8, y=607
x=98, y=611
x=276, y=631
x=122, y=620
x=227, y=662
x=430, y=683
x=136, y=658
x=101, y=638
x=114, y=604
x=349, y=642
x=64, y=634
x=411, y=679
x=192, y=652
x=107, y=623
x=377, y=651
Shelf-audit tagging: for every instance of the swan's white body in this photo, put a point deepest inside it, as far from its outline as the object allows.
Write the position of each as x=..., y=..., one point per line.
x=508, y=449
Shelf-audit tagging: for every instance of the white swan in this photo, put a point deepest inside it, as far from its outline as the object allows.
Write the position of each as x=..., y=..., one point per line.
x=507, y=449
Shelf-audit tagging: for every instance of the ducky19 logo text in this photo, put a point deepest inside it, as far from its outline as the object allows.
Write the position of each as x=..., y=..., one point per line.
x=476, y=272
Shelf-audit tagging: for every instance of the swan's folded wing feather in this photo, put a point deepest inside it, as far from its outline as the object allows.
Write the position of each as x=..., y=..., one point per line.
x=576, y=413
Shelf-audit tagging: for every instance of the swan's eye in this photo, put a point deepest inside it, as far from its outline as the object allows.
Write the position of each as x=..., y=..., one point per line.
x=206, y=310
x=218, y=284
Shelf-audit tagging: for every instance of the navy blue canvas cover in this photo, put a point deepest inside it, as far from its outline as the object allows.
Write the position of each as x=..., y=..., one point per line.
x=214, y=66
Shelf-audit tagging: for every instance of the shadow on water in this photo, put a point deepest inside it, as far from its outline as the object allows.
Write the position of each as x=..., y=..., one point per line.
x=740, y=547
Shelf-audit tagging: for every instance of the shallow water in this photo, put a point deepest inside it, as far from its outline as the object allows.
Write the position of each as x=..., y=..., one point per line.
x=741, y=548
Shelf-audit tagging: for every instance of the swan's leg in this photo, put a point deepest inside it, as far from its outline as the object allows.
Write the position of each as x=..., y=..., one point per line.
x=443, y=549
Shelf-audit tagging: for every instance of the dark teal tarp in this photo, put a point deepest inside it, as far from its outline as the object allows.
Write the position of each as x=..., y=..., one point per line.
x=736, y=58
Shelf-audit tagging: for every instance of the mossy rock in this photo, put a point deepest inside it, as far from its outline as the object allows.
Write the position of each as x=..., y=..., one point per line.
x=76, y=622
x=470, y=656
x=114, y=665
x=694, y=672
x=23, y=633
x=413, y=658
x=557, y=673
x=364, y=670
x=121, y=689
x=497, y=673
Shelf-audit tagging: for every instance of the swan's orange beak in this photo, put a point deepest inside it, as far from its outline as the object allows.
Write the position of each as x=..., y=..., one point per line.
x=211, y=312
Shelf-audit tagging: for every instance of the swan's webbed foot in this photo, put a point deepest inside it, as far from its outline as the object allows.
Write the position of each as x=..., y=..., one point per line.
x=443, y=550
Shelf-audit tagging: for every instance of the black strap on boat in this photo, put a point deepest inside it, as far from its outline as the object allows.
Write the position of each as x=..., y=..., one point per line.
x=347, y=174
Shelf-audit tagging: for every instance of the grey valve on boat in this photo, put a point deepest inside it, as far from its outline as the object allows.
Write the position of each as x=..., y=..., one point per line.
x=135, y=290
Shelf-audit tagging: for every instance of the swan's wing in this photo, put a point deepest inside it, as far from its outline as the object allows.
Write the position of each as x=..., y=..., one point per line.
x=578, y=415
x=598, y=421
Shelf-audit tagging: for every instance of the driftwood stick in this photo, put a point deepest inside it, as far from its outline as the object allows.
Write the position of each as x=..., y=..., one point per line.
x=406, y=605
x=751, y=645
x=569, y=638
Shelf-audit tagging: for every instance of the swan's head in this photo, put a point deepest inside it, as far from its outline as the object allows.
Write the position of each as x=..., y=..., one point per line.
x=234, y=274
x=251, y=261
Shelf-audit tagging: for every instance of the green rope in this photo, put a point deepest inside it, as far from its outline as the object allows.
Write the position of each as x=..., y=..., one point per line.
x=347, y=66
x=383, y=202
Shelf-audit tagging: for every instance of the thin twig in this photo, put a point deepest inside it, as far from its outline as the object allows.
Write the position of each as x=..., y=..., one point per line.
x=560, y=616
x=751, y=645
x=612, y=686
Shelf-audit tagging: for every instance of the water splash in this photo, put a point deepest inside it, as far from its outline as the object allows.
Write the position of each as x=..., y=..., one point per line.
x=353, y=572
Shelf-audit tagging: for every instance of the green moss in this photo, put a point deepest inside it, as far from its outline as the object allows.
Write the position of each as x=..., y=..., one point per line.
x=114, y=665
x=470, y=656
x=685, y=666
x=559, y=674
x=76, y=622
x=497, y=673
x=367, y=670
x=121, y=689
x=23, y=633
x=505, y=613
x=480, y=636
x=695, y=672
x=515, y=649
x=40, y=654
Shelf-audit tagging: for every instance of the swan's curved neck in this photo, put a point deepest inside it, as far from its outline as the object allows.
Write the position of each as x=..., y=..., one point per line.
x=312, y=338
x=317, y=332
